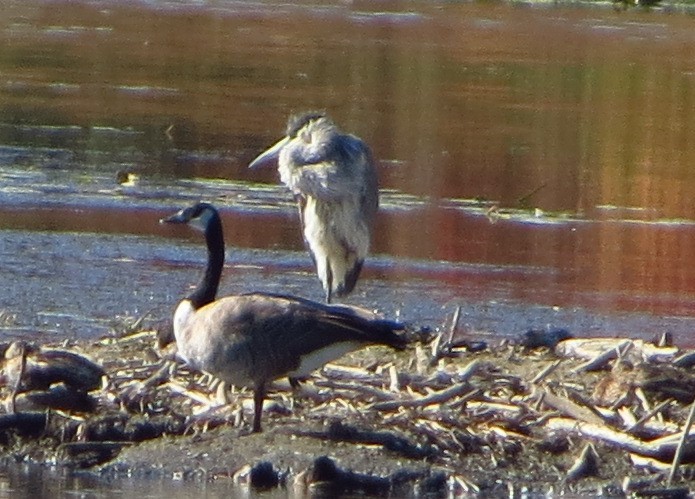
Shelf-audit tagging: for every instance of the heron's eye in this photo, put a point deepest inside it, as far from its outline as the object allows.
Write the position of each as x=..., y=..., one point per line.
x=305, y=136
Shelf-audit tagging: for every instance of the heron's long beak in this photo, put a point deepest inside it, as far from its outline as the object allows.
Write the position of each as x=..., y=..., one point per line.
x=270, y=155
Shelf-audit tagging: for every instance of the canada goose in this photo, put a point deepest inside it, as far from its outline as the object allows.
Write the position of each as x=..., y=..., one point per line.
x=251, y=339
x=334, y=182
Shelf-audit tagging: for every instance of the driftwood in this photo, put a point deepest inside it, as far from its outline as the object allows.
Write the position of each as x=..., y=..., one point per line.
x=570, y=408
x=480, y=414
x=365, y=390
x=27, y=368
x=39, y=378
x=662, y=449
x=341, y=432
x=439, y=397
x=24, y=422
x=599, y=351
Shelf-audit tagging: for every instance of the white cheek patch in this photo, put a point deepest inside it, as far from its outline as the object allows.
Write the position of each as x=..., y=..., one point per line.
x=201, y=222
x=312, y=361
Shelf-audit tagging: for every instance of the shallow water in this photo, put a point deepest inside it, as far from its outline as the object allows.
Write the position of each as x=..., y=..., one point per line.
x=25, y=481
x=535, y=164
x=535, y=161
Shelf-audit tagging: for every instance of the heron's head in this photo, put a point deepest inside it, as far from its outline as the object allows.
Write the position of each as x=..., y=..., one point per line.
x=199, y=216
x=310, y=138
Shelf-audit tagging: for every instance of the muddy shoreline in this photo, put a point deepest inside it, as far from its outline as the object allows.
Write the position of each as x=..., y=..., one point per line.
x=448, y=416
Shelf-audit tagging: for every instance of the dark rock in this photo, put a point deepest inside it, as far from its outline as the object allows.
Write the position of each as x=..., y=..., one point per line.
x=538, y=338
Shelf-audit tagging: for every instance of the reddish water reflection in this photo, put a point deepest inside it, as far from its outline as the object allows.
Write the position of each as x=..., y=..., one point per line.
x=572, y=110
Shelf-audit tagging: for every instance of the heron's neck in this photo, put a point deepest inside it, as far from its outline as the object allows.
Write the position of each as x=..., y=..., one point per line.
x=206, y=290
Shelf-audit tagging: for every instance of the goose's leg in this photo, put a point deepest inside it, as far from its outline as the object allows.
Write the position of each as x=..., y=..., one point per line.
x=258, y=397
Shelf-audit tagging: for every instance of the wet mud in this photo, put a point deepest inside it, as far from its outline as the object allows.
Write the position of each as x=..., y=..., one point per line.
x=450, y=416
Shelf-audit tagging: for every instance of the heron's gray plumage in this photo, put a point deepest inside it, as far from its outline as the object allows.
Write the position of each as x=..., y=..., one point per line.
x=334, y=181
x=251, y=339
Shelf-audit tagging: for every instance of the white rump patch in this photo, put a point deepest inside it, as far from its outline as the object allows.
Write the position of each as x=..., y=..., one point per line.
x=312, y=361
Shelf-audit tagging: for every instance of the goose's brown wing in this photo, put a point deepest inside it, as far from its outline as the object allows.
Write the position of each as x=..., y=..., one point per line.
x=283, y=331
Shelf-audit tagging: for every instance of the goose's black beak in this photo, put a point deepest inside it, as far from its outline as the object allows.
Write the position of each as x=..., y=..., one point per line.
x=198, y=216
x=176, y=218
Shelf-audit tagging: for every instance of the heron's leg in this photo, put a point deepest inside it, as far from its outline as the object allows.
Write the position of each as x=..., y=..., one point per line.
x=329, y=281
x=258, y=396
x=18, y=383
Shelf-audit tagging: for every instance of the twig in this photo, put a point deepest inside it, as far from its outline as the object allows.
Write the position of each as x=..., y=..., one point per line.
x=22, y=352
x=196, y=396
x=485, y=407
x=661, y=449
x=434, y=398
x=569, y=407
x=356, y=387
x=600, y=361
x=586, y=464
x=395, y=384
x=546, y=372
x=441, y=349
x=454, y=326
x=641, y=421
x=681, y=444
x=346, y=372
x=465, y=399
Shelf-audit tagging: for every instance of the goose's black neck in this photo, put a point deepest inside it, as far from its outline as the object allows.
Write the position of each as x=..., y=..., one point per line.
x=206, y=290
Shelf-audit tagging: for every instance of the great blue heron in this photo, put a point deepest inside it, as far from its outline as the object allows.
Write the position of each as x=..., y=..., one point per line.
x=252, y=339
x=334, y=181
